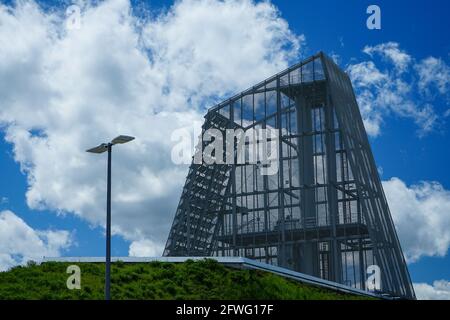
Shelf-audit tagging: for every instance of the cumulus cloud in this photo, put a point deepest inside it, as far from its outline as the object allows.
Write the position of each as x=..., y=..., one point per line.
x=210, y=47
x=434, y=73
x=64, y=91
x=421, y=214
x=390, y=51
x=145, y=248
x=20, y=243
x=393, y=88
x=440, y=290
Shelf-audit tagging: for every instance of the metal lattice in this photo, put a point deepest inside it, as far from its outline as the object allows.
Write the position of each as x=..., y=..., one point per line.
x=324, y=213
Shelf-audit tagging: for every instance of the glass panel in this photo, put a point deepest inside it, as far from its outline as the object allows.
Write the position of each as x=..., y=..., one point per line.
x=271, y=102
x=260, y=106
x=318, y=70
x=237, y=112
x=295, y=76
x=225, y=111
x=307, y=72
x=247, y=108
x=271, y=84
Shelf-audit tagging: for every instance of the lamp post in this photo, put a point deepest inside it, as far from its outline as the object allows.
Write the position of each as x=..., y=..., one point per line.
x=100, y=149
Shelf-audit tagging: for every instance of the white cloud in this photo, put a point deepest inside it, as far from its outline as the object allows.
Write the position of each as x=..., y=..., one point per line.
x=336, y=58
x=215, y=47
x=145, y=248
x=64, y=91
x=366, y=74
x=440, y=290
x=421, y=214
x=390, y=51
x=435, y=73
x=392, y=90
x=20, y=243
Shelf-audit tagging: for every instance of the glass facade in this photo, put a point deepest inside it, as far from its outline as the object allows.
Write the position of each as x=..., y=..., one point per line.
x=323, y=212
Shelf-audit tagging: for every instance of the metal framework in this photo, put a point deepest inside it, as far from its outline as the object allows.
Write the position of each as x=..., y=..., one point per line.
x=324, y=213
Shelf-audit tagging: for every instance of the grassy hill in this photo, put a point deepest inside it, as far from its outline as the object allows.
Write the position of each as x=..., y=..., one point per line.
x=156, y=280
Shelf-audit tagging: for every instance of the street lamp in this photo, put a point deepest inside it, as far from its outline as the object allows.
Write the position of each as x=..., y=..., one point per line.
x=100, y=149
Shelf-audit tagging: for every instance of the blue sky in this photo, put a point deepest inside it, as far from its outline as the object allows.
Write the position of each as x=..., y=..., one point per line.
x=421, y=28
x=418, y=28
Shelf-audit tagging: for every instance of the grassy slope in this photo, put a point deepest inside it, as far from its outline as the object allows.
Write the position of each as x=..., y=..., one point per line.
x=190, y=280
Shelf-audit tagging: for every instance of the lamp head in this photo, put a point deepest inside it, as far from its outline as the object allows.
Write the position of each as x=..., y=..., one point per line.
x=98, y=149
x=122, y=139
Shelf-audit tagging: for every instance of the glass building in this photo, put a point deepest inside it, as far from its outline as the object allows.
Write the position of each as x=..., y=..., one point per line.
x=323, y=213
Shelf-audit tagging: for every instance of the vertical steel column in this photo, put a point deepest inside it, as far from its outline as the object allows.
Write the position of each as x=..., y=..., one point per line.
x=306, y=160
x=309, y=249
x=108, y=228
x=233, y=190
x=266, y=196
x=331, y=189
x=282, y=254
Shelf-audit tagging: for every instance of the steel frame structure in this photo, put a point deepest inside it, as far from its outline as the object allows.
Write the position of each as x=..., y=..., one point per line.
x=324, y=213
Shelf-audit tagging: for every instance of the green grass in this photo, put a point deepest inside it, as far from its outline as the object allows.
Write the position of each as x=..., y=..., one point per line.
x=205, y=279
